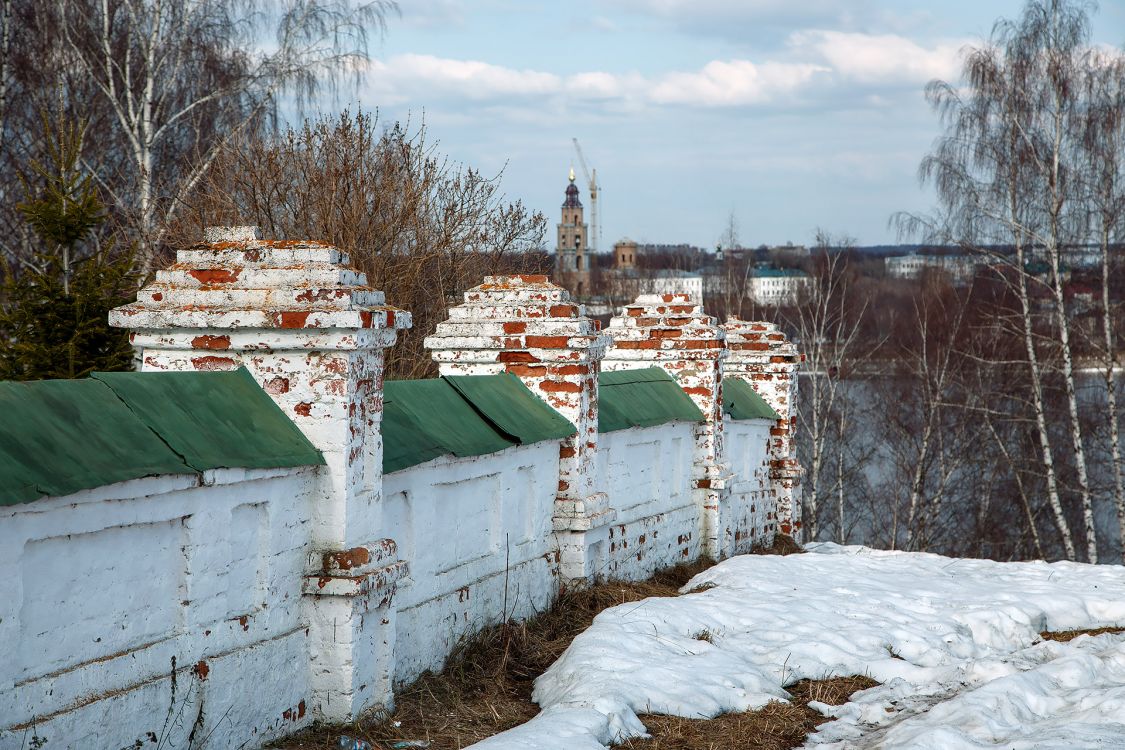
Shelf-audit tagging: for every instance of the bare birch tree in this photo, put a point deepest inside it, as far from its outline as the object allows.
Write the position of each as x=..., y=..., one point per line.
x=828, y=324
x=1103, y=149
x=183, y=77
x=1008, y=172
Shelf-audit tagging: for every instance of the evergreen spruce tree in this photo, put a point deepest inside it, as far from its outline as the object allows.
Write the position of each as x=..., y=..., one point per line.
x=54, y=308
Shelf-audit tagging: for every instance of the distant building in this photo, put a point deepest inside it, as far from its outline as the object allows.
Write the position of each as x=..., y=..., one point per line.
x=571, y=264
x=625, y=254
x=777, y=286
x=674, y=282
x=1081, y=257
x=790, y=253
x=681, y=247
x=961, y=268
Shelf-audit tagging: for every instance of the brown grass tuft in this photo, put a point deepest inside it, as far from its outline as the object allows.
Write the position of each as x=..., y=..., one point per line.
x=783, y=544
x=775, y=726
x=1069, y=635
x=485, y=687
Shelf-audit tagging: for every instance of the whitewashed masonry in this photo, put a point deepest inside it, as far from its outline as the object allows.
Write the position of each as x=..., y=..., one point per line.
x=359, y=581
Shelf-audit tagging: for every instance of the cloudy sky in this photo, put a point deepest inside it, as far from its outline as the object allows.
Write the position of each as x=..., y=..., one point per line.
x=793, y=114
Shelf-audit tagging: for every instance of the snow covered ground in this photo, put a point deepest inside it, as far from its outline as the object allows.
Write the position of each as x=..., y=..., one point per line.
x=955, y=643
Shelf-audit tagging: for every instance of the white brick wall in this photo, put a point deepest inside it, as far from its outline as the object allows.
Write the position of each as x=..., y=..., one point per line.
x=322, y=587
x=104, y=588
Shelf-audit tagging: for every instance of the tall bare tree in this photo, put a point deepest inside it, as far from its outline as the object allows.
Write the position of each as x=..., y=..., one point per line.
x=424, y=229
x=828, y=322
x=1103, y=151
x=183, y=77
x=1009, y=172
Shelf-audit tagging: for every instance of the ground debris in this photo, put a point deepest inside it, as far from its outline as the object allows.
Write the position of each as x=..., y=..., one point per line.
x=486, y=685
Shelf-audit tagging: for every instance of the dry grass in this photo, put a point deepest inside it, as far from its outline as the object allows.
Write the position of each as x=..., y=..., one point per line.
x=1069, y=635
x=486, y=685
x=782, y=545
x=776, y=726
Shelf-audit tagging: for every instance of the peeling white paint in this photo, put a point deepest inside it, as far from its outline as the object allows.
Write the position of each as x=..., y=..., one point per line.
x=324, y=587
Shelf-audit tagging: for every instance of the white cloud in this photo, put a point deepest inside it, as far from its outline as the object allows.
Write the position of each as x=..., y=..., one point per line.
x=878, y=58
x=733, y=83
x=719, y=83
x=818, y=66
x=405, y=77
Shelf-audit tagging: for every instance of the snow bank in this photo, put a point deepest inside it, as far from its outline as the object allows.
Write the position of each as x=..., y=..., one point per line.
x=955, y=643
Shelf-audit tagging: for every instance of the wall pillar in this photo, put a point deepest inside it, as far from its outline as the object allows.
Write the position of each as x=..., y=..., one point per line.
x=672, y=332
x=312, y=333
x=764, y=357
x=531, y=328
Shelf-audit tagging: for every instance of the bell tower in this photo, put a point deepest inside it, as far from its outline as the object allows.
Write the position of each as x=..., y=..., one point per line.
x=571, y=261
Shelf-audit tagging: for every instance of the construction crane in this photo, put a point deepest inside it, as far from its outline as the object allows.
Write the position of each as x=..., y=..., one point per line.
x=592, y=181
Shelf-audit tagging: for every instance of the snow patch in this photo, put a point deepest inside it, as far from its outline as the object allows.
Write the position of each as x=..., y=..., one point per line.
x=955, y=643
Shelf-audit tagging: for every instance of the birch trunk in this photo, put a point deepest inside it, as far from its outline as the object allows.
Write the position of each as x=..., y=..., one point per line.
x=1056, y=200
x=5, y=58
x=1110, y=363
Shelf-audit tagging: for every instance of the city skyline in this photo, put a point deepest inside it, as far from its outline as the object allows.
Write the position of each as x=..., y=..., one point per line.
x=791, y=118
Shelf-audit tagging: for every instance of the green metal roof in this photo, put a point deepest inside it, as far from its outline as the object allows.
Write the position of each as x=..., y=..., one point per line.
x=642, y=398
x=507, y=403
x=741, y=401
x=464, y=415
x=777, y=273
x=62, y=436
x=214, y=420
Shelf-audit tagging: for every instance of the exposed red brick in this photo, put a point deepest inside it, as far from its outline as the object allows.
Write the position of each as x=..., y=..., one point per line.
x=566, y=451
x=560, y=386
x=304, y=408
x=348, y=559
x=276, y=386
x=157, y=296
x=563, y=311
x=508, y=357
x=527, y=371
x=201, y=669
x=293, y=319
x=207, y=341
x=515, y=327
x=215, y=275
x=213, y=363
x=570, y=370
x=666, y=333
x=546, y=342
x=697, y=390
